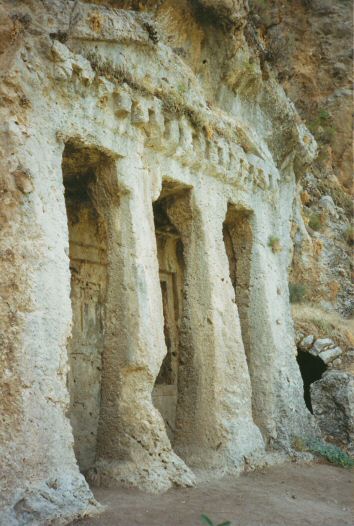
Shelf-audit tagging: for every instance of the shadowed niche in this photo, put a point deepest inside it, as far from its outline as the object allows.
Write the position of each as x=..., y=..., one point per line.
x=312, y=369
x=88, y=266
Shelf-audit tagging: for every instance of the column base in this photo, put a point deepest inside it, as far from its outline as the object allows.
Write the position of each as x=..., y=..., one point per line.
x=242, y=445
x=155, y=475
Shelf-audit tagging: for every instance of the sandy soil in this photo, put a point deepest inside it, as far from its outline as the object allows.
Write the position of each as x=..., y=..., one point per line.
x=286, y=495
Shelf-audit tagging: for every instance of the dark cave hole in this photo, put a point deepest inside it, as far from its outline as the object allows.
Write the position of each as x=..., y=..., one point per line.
x=312, y=369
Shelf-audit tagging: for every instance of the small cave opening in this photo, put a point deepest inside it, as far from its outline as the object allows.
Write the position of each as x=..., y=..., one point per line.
x=312, y=369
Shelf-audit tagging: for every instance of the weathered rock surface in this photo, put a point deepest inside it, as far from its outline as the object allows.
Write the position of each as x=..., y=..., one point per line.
x=333, y=406
x=323, y=348
x=307, y=342
x=147, y=157
x=322, y=344
x=330, y=355
x=309, y=44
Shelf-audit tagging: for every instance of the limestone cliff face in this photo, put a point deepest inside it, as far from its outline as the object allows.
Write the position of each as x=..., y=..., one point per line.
x=309, y=45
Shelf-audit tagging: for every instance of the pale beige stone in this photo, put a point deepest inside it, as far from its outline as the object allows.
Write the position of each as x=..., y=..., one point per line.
x=134, y=178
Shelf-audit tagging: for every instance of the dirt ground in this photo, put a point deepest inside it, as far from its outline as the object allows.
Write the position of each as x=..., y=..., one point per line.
x=286, y=495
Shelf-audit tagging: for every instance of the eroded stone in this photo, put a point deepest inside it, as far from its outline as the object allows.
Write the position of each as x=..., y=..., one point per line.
x=145, y=340
x=333, y=406
x=330, y=354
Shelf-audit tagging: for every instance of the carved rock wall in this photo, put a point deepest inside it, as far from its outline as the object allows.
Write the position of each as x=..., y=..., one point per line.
x=96, y=93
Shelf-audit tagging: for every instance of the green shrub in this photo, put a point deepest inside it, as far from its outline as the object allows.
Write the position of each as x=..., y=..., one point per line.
x=297, y=292
x=321, y=127
x=315, y=221
x=323, y=115
x=205, y=520
x=330, y=452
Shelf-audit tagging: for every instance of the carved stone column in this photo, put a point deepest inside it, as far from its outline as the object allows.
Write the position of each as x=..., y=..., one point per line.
x=40, y=478
x=133, y=448
x=214, y=426
x=278, y=403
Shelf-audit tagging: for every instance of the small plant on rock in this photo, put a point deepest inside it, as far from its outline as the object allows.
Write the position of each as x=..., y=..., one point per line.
x=297, y=292
x=321, y=127
x=330, y=452
x=315, y=221
x=275, y=244
x=205, y=520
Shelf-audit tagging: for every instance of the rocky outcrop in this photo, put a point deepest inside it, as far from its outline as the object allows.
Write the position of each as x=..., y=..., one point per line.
x=309, y=44
x=323, y=348
x=333, y=406
x=328, y=391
